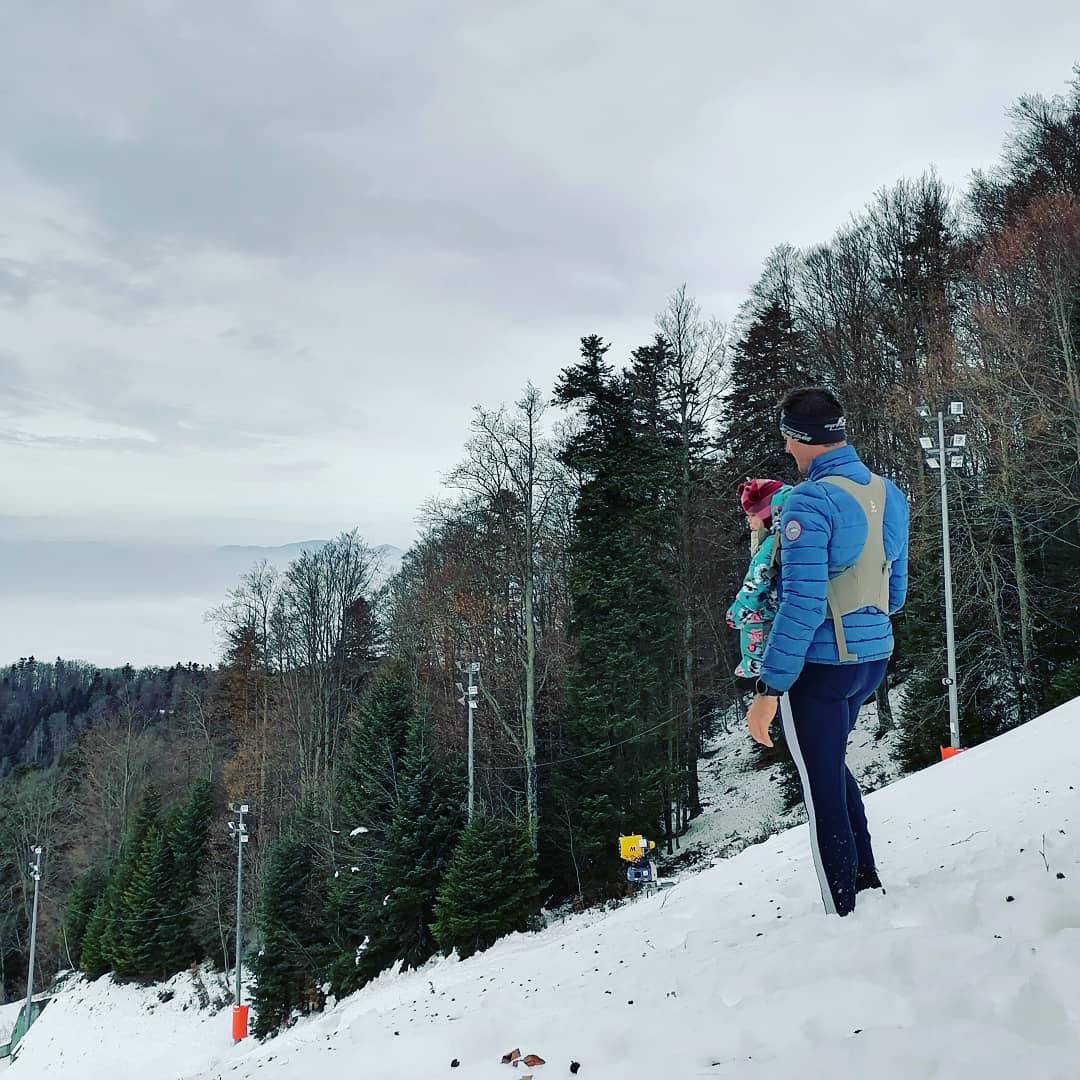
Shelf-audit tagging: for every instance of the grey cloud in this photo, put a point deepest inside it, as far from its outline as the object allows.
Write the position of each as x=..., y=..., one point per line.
x=109, y=285
x=260, y=340
x=16, y=284
x=16, y=384
x=191, y=121
x=379, y=137
x=77, y=443
x=307, y=467
x=262, y=224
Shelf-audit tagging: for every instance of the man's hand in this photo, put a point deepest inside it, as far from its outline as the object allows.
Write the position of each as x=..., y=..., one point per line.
x=759, y=718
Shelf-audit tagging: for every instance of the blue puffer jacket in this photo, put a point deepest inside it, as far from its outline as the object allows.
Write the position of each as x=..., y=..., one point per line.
x=824, y=531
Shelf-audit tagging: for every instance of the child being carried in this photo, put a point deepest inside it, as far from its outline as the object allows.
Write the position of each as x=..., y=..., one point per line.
x=754, y=608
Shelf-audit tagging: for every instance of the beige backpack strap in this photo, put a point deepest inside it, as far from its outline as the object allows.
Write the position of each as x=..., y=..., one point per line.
x=844, y=654
x=866, y=582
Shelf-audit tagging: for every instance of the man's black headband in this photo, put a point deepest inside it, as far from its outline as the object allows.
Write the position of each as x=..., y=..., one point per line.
x=814, y=431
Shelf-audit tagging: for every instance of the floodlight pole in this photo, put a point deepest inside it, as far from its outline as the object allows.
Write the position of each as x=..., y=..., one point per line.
x=474, y=669
x=35, y=873
x=950, y=633
x=239, y=830
x=469, y=696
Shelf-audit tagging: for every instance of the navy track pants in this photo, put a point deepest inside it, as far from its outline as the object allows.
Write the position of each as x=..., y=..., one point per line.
x=818, y=714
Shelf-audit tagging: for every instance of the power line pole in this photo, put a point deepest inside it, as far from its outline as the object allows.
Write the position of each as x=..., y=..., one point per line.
x=239, y=830
x=35, y=873
x=469, y=697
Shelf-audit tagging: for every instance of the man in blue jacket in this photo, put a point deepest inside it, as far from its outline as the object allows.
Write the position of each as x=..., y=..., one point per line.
x=843, y=572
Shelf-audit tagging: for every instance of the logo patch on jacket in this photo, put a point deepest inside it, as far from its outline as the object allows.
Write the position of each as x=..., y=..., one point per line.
x=792, y=531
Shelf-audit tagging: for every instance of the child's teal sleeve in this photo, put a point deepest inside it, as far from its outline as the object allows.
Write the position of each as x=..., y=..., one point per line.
x=754, y=608
x=755, y=601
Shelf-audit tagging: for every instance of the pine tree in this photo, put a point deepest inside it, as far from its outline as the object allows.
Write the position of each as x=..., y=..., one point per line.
x=107, y=931
x=769, y=359
x=144, y=911
x=140, y=925
x=419, y=843
x=491, y=887
x=367, y=777
x=923, y=718
x=288, y=964
x=93, y=958
x=186, y=837
x=616, y=747
x=368, y=787
x=85, y=894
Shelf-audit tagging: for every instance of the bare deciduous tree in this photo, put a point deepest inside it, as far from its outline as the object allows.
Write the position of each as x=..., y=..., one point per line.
x=509, y=474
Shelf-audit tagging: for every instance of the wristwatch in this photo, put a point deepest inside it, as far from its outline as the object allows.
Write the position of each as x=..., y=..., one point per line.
x=762, y=690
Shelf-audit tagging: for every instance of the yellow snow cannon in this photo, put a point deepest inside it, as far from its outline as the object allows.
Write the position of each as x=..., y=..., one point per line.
x=635, y=851
x=632, y=848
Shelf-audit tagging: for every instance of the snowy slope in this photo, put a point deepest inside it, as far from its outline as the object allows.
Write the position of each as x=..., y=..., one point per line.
x=967, y=968
x=9, y=1014
x=109, y=1031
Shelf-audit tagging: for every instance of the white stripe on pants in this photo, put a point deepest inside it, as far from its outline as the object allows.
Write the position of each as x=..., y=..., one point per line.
x=790, y=734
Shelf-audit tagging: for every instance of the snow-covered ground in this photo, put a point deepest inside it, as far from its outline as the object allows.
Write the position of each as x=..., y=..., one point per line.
x=107, y=1031
x=968, y=967
x=8, y=1015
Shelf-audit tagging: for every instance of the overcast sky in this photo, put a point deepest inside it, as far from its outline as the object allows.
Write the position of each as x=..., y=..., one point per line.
x=259, y=259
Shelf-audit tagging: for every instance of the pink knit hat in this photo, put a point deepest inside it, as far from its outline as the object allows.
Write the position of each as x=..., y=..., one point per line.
x=756, y=495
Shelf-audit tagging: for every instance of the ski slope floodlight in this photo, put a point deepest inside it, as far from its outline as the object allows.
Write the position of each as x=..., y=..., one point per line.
x=959, y=441
x=924, y=411
x=957, y=461
x=926, y=442
x=933, y=463
x=956, y=408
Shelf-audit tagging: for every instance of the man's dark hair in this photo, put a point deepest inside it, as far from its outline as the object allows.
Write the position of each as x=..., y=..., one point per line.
x=814, y=402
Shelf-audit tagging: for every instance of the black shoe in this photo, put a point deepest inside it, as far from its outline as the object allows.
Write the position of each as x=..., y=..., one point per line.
x=868, y=879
